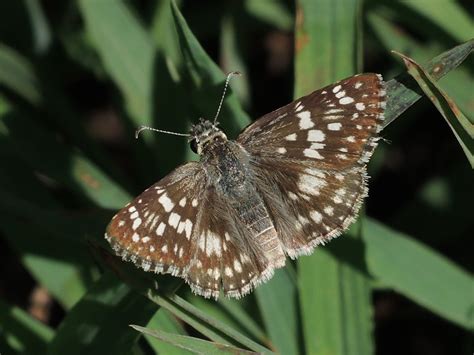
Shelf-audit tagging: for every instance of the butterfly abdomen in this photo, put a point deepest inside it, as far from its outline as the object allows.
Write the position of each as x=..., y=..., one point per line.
x=228, y=164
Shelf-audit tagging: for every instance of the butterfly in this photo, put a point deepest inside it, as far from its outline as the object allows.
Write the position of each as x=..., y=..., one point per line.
x=292, y=180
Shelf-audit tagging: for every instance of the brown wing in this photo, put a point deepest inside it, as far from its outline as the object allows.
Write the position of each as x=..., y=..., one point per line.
x=309, y=159
x=182, y=227
x=226, y=255
x=332, y=128
x=309, y=206
x=157, y=229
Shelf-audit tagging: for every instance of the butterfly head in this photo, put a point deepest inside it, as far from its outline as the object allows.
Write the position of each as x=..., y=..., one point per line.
x=203, y=133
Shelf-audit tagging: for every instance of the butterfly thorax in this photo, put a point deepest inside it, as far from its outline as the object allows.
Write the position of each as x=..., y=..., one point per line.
x=226, y=164
x=225, y=161
x=204, y=133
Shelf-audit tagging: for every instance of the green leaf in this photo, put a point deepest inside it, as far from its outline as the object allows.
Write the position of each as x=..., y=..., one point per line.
x=213, y=328
x=194, y=345
x=335, y=298
x=22, y=332
x=232, y=313
x=272, y=12
x=419, y=273
x=231, y=57
x=448, y=15
x=40, y=27
x=16, y=73
x=237, y=310
x=164, y=321
x=22, y=78
x=126, y=51
x=400, y=95
x=457, y=83
x=93, y=325
x=207, y=80
x=459, y=124
x=59, y=264
x=64, y=164
x=277, y=301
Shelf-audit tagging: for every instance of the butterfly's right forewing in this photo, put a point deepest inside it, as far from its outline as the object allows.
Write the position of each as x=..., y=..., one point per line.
x=333, y=128
x=309, y=159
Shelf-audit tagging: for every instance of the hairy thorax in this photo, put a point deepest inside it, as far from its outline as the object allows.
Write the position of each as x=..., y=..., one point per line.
x=226, y=163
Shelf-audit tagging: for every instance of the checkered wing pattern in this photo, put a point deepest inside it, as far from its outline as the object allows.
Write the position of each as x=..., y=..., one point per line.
x=181, y=226
x=157, y=230
x=294, y=179
x=226, y=256
x=309, y=159
x=333, y=128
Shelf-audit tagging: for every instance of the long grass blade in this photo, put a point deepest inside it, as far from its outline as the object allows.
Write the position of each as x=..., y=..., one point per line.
x=335, y=299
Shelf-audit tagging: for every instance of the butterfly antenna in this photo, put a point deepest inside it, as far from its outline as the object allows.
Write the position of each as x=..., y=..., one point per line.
x=229, y=76
x=146, y=128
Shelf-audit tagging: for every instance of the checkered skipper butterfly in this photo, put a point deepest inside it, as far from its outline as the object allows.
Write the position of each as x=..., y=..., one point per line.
x=292, y=180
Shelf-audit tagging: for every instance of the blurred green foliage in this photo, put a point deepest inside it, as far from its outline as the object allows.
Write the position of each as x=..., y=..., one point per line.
x=78, y=77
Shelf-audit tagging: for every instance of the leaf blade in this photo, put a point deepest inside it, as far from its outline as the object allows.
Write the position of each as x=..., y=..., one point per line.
x=195, y=345
x=459, y=124
x=419, y=273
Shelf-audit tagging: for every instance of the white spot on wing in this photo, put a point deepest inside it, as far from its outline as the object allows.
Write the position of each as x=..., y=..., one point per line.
x=135, y=237
x=291, y=137
x=315, y=135
x=329, y=210
x=305, y=120
x=188, y=228
x=237, y=266
x=182, y=202
x=136, y=223
x=334, y=126
x=213, y=244
x=360, y=106
x=316, y=216
x=336, y=88
x=292, y=195
x=166, y=202
x=161, y=229
x=228, y=271
x=311, y=153
x=346, y=100
x=310, y=184
x=173, y=220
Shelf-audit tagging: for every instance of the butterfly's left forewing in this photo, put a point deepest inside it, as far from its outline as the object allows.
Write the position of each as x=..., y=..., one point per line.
x=157, y=229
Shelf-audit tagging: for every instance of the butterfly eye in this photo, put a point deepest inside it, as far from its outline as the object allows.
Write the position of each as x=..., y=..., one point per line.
x=193, y=145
